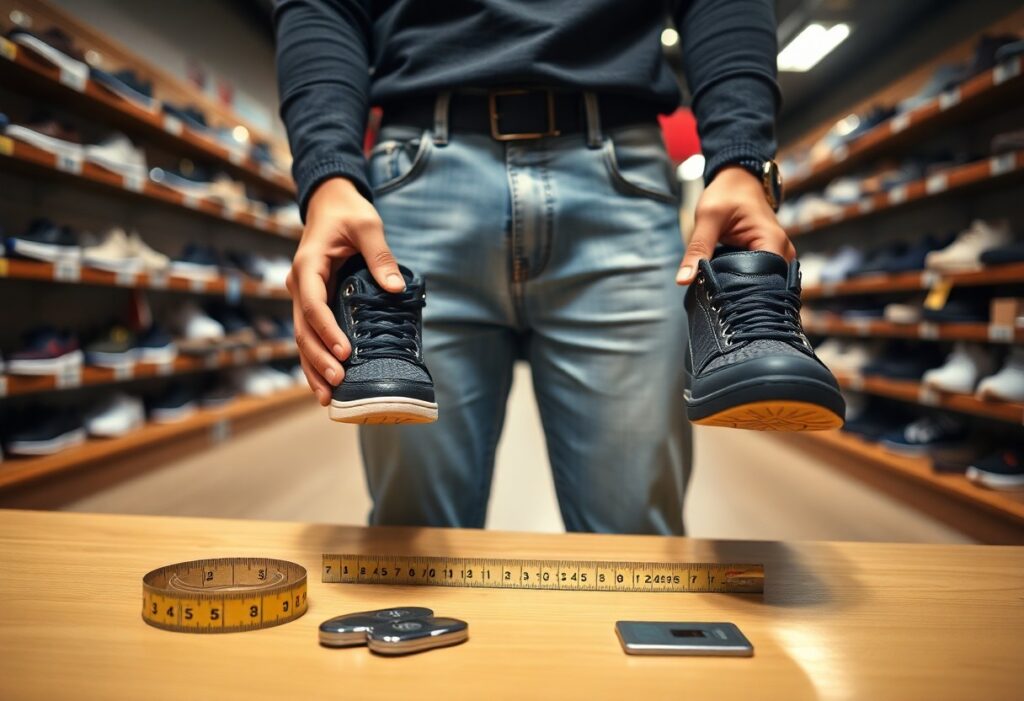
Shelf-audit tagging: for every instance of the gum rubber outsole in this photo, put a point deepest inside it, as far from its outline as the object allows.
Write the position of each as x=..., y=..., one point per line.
x=383, y=410
x=775, y=416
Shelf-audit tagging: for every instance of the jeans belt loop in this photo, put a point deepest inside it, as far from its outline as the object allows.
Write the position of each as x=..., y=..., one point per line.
x=593, y=113
x=441, y=106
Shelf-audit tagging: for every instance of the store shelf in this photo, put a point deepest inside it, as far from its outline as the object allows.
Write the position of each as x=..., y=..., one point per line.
x=979, y=94
x=13, y=385
x=232, y=287
x=1009, y=505
x=22, y=68
x=1010, y=274
x=925, y=331
x=17, y=154
x=977, y=174
x=916, y=393
x=16, y=471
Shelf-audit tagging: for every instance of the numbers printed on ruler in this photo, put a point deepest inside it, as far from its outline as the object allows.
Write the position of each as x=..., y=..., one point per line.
x=503, y=573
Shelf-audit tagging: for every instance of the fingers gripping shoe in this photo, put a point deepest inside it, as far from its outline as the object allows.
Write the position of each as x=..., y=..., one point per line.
x=385, y=381
x=749, y=363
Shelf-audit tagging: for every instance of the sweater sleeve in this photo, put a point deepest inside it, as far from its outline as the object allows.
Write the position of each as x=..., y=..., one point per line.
x=729, y=56
x=323, y=75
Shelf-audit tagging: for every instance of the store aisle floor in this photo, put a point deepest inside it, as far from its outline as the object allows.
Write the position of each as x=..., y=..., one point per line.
x=305, y=468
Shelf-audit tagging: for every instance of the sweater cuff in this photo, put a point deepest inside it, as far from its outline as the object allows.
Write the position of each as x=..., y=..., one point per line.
x=307, y=179
x=730, y=155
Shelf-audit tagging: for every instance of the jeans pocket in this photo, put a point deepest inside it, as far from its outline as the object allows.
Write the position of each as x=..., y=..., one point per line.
x=638, y=164
x=398, y=158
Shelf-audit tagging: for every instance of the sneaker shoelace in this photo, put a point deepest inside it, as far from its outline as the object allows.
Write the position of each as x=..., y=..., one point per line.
x=749, y=315
x=385, y=323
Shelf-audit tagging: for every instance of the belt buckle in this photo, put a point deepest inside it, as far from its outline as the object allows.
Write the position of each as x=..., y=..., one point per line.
x=498, y=135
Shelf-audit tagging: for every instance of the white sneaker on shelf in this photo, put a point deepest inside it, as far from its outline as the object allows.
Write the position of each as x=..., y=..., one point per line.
x=964, y=254
x=198, y=332
x=967, y=364
x=253, y=382
x=152, y=260
x=1007, y=385
x=117, y=416
x=118, y=154
x=903, y=312
x=811, y=266
x=112, y=251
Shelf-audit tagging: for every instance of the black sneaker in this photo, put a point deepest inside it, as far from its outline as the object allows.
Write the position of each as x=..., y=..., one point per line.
x=385, y=381
x=750, y=364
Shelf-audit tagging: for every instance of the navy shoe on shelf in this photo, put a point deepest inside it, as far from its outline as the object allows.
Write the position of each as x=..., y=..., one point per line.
x=941, y=436
x=45, y=241
x=961, y=307
x=1003, y=469
x=386, y=381
x=45, y=432
x=46, y=351
x=155, y=345
x=175, y=403
x=125, y=84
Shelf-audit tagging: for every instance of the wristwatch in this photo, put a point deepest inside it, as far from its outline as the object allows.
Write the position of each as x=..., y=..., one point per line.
x=771, y=179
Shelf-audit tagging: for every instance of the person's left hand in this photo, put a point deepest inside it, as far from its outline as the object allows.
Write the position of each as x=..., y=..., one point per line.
x=733, y=210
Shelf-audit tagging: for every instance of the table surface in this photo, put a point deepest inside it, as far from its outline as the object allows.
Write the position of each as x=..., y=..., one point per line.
x=837, y=620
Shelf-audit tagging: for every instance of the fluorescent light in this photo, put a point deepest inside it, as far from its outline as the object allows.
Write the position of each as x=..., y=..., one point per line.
x=669, y=37
x=811, y=45
x=692, y=168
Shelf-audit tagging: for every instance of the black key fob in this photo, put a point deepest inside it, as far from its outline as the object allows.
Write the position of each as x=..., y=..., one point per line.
x=417, y=635
x=352, y=628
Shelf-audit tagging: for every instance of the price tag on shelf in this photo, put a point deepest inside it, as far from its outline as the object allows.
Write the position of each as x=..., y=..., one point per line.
x=165, y=368
x=936, y=183
x=264, y=353
x=69, y=377
x=1006, y=70
x=75, y=80
x=133, y=183
x=67, y=269
x=1000, y=334
x=233, y=289
x=158, y=279
x=3, y=267
x=950, y=98
x=929, y=397
x=220, y=431
x=928, y=331
x=172, y=125
x=899, y=122
x=938, y=294
x=840, y=153
x=124, y=371
x=1001, y=165
x=126, y=278
x=8, y=49
x=866, y=205
x=6, y=145
x=68, y=163
x=197, y=285
x=898, y=194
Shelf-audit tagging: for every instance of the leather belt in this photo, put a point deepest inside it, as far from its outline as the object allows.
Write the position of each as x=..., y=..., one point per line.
x=520, y=114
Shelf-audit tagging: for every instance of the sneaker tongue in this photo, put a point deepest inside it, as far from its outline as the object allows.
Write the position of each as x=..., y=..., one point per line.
x=750, y=268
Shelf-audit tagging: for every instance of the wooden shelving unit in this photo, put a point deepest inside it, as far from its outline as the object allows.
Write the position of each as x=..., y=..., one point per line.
x=13, y=385
x=15, y=471
x=1006, y=504
x=229, y=287
x=982, y=92
x=978, y=174
x=21, y=68
x=973, y=332
x=917, y=393
x=1010, y=274
x=15, y=153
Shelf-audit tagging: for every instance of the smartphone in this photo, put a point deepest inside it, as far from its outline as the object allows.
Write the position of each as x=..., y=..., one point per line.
x=665, y=638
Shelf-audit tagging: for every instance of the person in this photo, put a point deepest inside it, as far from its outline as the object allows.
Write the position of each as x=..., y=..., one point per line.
x=520, y=170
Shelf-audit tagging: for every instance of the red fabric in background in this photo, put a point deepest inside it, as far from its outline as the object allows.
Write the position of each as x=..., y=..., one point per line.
x=680, y=132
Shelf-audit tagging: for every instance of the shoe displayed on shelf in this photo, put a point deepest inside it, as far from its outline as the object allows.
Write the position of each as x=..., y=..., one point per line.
x=112, y=251
x=156, y=346
x=49, y=135
x=876, y=420
x=964, y=367
x=1003, y=469
x=176, y=403
x=118, y=154
x=386, y=380
x=51, y=431
x=57, y=48
x=46, y=352
x=115, y=348
x=811, y=266
x=749, y=363
x=287, y=215
x=841, y=265
x=218, y=396
x=913, y=257
x=198, y=333
x=45, y=241
x=1007, y=385
x=1004, y=255
x=902, y=363
x=908, y=312
x=116, y=416
x=964, y=254
x=878, y=261
x=189, y=185
x=153, y=261
x=127, y=85
x=197, y=262
x=238, y=330
x=940, y=436
x=255, y=381
x=245, y=263
x=228, y=192
x=962, y=307
x=189, y=115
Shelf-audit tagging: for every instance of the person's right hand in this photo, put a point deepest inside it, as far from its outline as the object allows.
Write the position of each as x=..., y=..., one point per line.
x=340, y=222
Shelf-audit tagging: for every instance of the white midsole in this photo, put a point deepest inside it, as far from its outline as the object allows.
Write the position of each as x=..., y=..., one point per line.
x=114, y=265
x=127, y=169
x=49, y=252
x=112, y=360
x=45, y=366
x=46, y=143
x=98, y=430
x=194, y=271
x=53, y=55
x=993, y=480
x=170, y=416
x=48, y=447
x=157, y=356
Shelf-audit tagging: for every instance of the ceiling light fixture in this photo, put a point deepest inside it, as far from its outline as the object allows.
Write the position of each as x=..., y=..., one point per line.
x=810, y=46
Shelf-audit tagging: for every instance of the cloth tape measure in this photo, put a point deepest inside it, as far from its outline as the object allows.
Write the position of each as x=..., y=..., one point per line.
x=579, y=575
x=224, y=595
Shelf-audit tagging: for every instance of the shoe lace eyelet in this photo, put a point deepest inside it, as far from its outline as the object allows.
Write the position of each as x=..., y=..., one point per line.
x=350, y=289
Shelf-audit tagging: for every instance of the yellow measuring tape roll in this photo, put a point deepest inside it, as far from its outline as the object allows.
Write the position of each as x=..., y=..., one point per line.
x=580, y=575
x=224, y=595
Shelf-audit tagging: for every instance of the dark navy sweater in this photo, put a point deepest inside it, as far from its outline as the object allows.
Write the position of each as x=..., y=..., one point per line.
x=336, y=58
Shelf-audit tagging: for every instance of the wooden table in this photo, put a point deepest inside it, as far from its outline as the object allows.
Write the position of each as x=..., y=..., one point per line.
x=838, y=620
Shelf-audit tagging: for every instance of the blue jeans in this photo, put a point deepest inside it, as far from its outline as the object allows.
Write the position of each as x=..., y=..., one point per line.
x=561, y=254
